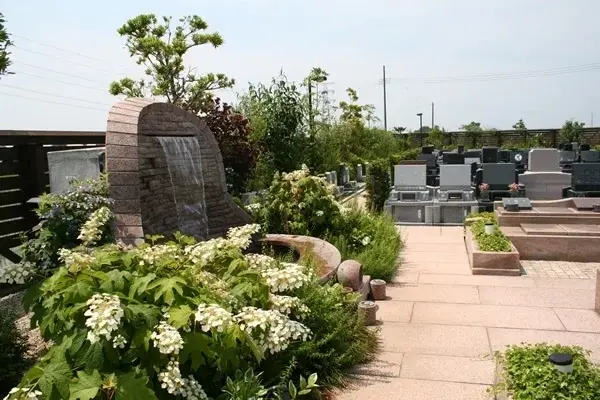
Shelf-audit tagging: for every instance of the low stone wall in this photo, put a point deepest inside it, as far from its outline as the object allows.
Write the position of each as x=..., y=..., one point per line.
x=491, y=262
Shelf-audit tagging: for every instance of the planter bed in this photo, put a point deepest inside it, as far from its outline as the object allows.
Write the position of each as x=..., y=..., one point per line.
x=504, y=263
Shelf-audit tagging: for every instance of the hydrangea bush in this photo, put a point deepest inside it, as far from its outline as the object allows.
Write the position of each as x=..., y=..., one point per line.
x=164, y=319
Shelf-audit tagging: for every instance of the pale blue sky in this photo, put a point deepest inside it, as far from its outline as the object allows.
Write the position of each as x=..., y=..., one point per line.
x=351, y=39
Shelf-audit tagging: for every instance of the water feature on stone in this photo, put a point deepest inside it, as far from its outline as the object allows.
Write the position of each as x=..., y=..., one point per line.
x=166, y=174
x=187, y=180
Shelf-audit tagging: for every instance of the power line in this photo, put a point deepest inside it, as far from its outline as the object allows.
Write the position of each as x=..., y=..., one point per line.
x=62, y=49
x=59, y=81
x=51, y=102
x=54, y=95
x=58, y=72
x=70, y=62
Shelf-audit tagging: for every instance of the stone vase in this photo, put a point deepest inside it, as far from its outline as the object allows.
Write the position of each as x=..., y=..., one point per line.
x=514, y=194
x=378, y=289
x=485, y=195
x=368, y=310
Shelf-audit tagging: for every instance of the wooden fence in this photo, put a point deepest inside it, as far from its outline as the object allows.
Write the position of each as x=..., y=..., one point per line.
x=24, y=175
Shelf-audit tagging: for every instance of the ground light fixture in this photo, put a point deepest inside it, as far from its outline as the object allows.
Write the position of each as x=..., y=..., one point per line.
x=562, y=362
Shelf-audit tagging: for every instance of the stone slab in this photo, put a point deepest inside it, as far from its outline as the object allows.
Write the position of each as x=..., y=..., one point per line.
x=579, y=320
x=385, y=364
x=476, y=280
x=537, y=297
x=435, y=293
x=448, y=368
x=501, y=337
x=564, y=283
x=367, y=388
x=437, y=268
x=581, y=230
x=522, y=202
x=486, y=315
x=403, y=276
x=428, y=257
x=543, y=229
x=394, y=311
x=463, y=341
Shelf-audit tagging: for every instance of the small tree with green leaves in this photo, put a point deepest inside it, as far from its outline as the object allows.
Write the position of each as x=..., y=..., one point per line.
x=161, y=48
x=5, y=43
x=437, y=137
x=571, y=130
x=473, y=131
x=378, y=185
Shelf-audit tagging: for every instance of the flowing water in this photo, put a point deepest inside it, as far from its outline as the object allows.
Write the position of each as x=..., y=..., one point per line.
x=187, y=180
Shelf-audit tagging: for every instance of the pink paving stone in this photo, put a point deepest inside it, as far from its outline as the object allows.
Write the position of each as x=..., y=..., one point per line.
x=437, y=257
x=466, y=341
x=476, y=280
x=434, y=293
x=448, y=368
x=404, y=276
x=439, y=248
x=537, y=297
x=368, y=388
x=486, y=315
x=395, y=311
x=579, y=320
x=385, y=364
x=501, y=337
x=436, y=268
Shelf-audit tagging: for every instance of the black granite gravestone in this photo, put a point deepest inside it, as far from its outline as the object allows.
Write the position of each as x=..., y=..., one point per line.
x=453, y=158
x=590, y=156
x=498, y=176
x=504, y=156
x=489, y=155
x=585, y=177
x=520, y=203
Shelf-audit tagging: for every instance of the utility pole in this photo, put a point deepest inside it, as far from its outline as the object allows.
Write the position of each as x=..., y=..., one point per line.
x=592, y=120
x=420, y=115
x=384, y=102
x=432, y=115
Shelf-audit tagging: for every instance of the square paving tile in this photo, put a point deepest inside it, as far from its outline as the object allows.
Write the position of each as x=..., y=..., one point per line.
x=395, y=311
x=434, y=293
x=538, y=297
x=448, y=368
x=405, y=276
x=385, y=364
x=432, y=256
x=486, y=315
x=452, y=268
x=501, y=337
x=465, y=341
x=477, y=280
x=579, y=320
x=376, y=388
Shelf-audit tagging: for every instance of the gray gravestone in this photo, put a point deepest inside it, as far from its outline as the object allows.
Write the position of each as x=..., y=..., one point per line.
x=523, y=203
x=544, y=160
x=68, y=165
x=359, y=173
x=567, y=156
x=498, y=176
x=455, y=176
x=346, y=173
x=585, y=176
x=590, y=156
x=410, y=175
x=334, y=179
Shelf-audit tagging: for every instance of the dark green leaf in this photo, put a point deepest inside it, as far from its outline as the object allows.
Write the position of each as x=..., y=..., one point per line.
x=56, y=374
x=166, y=288
x=130, y=387
x=140, y=284
x=195, y=348
x=86, y=387
x=149, y=314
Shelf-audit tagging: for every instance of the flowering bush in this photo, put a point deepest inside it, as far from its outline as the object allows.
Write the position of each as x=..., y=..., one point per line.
x=513, y=187
x=163, y=319
x=78, y=216
x=298, y=203
x=483, y=187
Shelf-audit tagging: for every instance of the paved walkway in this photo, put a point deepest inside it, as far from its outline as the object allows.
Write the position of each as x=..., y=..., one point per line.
x=441, y=323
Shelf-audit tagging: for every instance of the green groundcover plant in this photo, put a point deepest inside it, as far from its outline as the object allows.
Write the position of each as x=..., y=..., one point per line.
x=528, y=375
x=303, y=204
x=497, y=241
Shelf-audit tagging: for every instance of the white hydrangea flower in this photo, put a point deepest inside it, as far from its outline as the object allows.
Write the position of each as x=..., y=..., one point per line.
x=296, y=175
x=213, y=318
x=272, y=331
x=260, y=261
x=16, y=274
x=287, y=304
x=151, y=255
x=203, y=253
x=253, y=207
x=119, y=342
x=104, y=316
x=366, y=240
x=319, y=213
x=241, y=236
x=75, y=261
x=27, y=393
x=167, y=339
x=290, y=277
x=171, y=380
x=91, y=231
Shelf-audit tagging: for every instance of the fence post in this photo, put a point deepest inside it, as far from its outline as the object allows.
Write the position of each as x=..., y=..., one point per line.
x=554, y=138
x=33, y=173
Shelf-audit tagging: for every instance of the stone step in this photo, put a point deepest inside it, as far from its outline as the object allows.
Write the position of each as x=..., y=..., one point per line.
x=496, y=271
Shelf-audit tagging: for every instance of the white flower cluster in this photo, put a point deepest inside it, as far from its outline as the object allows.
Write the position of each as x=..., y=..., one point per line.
x=287, y=304
x=119, y=342
x=203, y=253
x=260, y=261
x=296, y=175
x=27, y=393
x=91, y=231
x=75, y=260
x=290, y=277
x=104, y=316
x=151, y=255
x=167, y=339
x=253, y=207
x=241, y=236
x=171, y=380
x=272, y=330
x=213, y=317
x=16, y=274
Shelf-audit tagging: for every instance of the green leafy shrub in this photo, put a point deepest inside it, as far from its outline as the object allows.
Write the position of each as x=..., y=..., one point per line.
x=179, y=318
x=378, y=185
x=410, y=154
x=13, y=347
x=63, y=215
x=528, y=375
x=497, y=241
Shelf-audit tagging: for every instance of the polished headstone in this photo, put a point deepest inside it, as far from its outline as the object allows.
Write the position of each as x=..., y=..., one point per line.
x=410, y=175
x=522, y=202
x=544, y=160
x=498, y=176
x=489, y=155
x=590, y=156
x=585, y=176
x=455, y=176
x=453, y=158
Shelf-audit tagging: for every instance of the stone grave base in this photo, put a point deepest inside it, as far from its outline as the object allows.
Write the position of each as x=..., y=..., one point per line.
x=491, y=262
